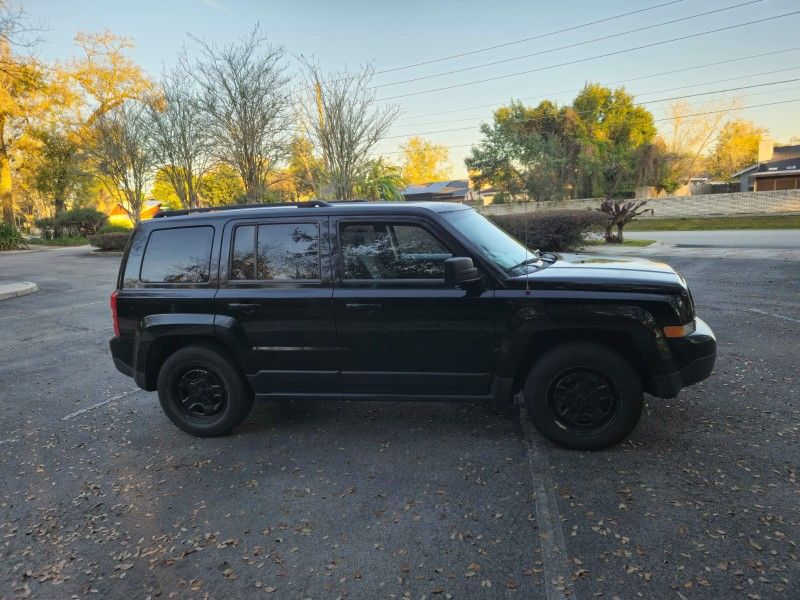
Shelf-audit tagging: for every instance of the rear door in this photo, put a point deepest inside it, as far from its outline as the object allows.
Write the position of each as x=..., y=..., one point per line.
x=402, y=331
x=276, y=288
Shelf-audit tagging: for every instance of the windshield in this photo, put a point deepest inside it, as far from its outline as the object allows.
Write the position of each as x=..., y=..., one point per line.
x=502, y=249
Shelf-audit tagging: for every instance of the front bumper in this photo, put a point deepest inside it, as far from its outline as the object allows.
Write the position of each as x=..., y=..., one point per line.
x=695, y=355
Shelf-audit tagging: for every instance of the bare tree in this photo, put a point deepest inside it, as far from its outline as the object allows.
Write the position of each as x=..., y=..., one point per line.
x=245, y=93
x=691, y=131
x=122, y=150
x=181, y=141
x=344, y=123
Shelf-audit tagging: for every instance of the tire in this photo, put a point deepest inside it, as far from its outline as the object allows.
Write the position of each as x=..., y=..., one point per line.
x=584, y=396
x=202, y=392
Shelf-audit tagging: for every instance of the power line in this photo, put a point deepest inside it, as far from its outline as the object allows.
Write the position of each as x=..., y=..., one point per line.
x=607, y=54
x=573, y=45
x=700, y=114
x=527, y=39
x=472, y=127
x=638, y=94
x=621, y=81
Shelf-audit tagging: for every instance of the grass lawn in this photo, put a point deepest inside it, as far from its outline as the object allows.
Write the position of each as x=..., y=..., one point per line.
x=710, y=223
x=72, y=240
x=636, y=243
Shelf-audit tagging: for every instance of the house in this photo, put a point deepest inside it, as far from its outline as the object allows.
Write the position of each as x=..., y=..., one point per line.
x=778, y=168
x=119, y=216
x=457, y=190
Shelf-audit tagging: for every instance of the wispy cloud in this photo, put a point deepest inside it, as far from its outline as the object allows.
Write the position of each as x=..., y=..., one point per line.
x=215, y=4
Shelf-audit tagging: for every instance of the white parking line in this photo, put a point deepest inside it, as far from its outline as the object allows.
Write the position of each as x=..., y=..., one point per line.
x=557, y=582
x=77, y=413
x=773, y=315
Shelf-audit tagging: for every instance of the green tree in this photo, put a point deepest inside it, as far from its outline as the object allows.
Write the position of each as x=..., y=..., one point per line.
x=221, y=185
x=58, y=170
x=613, y=132
x=736, y=148
x=528, y=151
x=379, y=181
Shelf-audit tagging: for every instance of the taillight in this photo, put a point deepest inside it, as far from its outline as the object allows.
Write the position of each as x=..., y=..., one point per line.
x=114, y=317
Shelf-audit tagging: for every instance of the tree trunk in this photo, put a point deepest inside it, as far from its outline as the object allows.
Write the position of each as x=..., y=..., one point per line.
x=620, y=225
x=60, y=205
x=6, y=198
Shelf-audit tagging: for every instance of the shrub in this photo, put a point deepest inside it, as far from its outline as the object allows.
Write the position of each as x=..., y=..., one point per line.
x=620, y=213
x=10, y=238
x=554, y=230
x=47, y=226
x=79, y=221
x=110, y=241
x=109, y=228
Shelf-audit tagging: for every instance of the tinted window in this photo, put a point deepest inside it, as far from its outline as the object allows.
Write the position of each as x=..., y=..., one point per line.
x=391, y=251
x=243, y=261
x=288, y=251
x=178, y=255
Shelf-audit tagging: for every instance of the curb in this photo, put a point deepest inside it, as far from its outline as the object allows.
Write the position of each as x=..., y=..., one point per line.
x=17, y=288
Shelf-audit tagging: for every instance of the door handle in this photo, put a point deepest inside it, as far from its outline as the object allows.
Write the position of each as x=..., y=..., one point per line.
x=363, y=307
x=243, y=307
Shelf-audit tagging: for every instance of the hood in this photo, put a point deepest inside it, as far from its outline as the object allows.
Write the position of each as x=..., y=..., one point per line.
x=613, y=273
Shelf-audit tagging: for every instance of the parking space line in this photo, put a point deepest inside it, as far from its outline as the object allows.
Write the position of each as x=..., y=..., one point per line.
x=773, y=315
x=557, y=584
x=77, y=413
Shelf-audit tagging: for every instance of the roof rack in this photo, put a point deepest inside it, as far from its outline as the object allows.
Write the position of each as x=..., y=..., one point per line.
x=191, y=211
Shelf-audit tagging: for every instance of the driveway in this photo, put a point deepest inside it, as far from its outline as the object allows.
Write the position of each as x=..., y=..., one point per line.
x=103, y=497
x=780, y=239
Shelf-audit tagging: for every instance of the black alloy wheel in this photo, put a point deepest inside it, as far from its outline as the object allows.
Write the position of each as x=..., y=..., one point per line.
x=201, y=394
x=582, y=400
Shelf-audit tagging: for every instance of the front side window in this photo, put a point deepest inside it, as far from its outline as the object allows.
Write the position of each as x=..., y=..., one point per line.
x=181, y=255
x=391, y=251
x=276, y=252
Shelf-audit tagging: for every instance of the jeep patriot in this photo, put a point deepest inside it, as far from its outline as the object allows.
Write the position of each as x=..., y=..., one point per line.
x=216, y=308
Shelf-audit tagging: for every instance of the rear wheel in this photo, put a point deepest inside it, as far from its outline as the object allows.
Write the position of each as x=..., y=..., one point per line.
x=202, y=392
x=584, y=396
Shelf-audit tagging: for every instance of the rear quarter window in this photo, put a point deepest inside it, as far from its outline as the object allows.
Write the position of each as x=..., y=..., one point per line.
x=180, y=255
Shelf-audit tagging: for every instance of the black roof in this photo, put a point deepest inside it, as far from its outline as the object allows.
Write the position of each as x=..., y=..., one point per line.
x=775, y=167
x=304, y=209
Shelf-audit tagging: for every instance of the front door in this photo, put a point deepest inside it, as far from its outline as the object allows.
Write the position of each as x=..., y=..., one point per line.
x=276, y=289
x=402, y=331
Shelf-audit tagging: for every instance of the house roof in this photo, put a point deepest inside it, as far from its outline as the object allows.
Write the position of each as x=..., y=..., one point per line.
x=784, y=152
x=782, y=157
x=778, y=167
x=457, y=188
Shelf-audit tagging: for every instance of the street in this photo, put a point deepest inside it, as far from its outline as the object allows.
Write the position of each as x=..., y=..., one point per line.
x=782, y=239
x=104, y=497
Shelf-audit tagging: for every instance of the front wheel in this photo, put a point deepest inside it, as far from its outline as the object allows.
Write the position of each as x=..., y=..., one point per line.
x=584, y=396
x=202, y=392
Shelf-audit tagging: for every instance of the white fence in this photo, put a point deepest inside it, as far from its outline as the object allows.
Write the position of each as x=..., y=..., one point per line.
x=740, y=203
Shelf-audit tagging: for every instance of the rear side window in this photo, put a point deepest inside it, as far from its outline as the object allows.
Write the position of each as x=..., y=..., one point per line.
x=181, y=255
x=276, y=252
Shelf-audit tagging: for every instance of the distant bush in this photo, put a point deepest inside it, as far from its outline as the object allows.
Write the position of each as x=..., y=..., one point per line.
x=10, y=238
x=110, y=241
x=47, y=226
x=109, y=228
x=76, y=222
x=554, y=230
x=79, y=221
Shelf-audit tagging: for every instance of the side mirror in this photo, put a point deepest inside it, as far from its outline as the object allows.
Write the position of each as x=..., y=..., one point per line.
x=460, y=271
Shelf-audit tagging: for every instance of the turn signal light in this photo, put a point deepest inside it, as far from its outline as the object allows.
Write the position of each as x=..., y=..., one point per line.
x=676, y=331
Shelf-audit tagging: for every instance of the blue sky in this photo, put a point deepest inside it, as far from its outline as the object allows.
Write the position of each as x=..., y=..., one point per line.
x=394, y=34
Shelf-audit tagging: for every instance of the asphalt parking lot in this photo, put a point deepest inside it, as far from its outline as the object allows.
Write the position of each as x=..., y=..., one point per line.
x=103, y=497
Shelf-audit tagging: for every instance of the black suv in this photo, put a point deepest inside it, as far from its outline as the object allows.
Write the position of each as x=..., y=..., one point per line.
x=396, y=301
